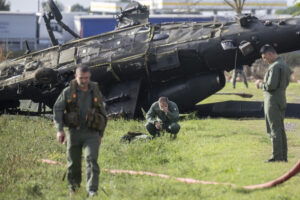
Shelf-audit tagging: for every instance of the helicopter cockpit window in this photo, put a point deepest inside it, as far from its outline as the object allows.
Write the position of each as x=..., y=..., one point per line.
x=227, y=45
x=160, y=36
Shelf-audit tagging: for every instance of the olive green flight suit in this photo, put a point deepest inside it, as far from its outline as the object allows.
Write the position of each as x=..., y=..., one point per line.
x=276, y=81
x=78, y=138
x=168, y=121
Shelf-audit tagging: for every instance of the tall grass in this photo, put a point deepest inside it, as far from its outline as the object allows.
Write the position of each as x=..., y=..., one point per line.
x=4, y=55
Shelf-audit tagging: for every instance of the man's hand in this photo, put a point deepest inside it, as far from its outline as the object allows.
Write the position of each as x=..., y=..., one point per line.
x=61, y=137
x=157, y=125
x=100, y=140
x=257, y=83
x=164, y=108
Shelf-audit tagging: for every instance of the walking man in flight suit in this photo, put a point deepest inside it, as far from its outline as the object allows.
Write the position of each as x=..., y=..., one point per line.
x=80, y=108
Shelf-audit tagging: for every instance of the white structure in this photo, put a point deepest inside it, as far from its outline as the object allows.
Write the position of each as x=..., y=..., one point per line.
x=107, y=6
x=171, y=6
x=15, y=28
x=211, y=5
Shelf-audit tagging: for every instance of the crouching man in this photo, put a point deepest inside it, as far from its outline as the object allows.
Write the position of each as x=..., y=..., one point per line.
x=163, y=115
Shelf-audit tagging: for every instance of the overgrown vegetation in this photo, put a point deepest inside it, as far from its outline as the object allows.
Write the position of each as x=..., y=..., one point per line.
x=4, y=55
x=222, y=150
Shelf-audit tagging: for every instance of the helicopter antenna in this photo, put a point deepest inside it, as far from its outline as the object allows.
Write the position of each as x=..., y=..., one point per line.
x=50, y=32
x=64, y=26
x=58, y=17
x=27, y=47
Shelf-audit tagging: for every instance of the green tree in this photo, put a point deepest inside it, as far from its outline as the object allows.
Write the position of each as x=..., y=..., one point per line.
x=79, y=8
x=237, y=5
x=297, y=12
x=293, y=10
x=4, y=6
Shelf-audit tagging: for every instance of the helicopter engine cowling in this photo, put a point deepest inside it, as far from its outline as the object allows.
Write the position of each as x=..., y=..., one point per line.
x=45, y=75
x=189, y=91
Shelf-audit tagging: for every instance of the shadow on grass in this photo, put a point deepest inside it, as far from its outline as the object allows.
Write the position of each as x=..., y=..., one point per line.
x=242, y=190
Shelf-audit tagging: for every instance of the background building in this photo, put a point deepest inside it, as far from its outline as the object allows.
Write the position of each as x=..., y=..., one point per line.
x=190, y=6
x=18, y=27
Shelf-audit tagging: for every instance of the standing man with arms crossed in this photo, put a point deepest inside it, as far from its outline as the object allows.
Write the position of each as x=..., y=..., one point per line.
x=80, y=108
x=163, y=114
x=275, y=82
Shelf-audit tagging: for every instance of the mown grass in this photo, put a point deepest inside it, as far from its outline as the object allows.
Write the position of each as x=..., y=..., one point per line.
x=222, y=150
x=292, y=93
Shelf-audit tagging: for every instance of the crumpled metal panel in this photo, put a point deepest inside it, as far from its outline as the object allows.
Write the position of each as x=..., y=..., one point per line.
x=115, y=47
x=179, y=33
x=166, y=61
x=181, y=37
x=87, y=53
x=122, y=99
x=67, y=55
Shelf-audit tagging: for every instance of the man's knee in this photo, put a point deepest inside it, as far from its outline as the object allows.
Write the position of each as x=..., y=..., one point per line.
x=151, y=128
x=92, y=165
x=174, y=128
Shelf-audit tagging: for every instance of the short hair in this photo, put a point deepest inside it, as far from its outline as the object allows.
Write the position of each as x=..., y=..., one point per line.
x=82, y=68
x=163, y=99
x=266, y=49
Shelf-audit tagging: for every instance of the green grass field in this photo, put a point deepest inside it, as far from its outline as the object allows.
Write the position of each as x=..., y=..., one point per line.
x=293, y=95
x=221, y=150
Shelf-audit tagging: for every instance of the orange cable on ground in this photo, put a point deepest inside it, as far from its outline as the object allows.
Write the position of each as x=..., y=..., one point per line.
x=185, y=180
x=292, y=172
x=283, y=178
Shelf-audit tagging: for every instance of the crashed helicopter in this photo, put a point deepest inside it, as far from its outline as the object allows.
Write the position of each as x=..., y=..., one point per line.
x=139, y=62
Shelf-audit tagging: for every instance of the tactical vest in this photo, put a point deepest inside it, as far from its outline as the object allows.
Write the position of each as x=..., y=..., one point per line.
x=96, y=119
